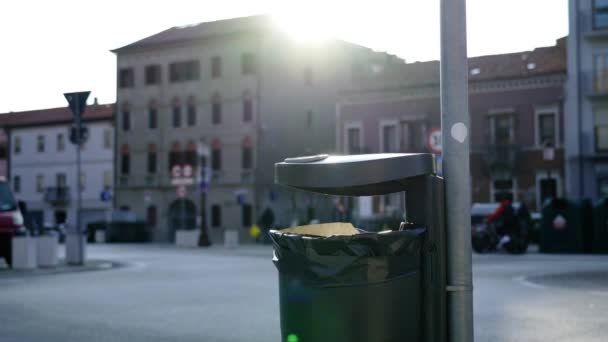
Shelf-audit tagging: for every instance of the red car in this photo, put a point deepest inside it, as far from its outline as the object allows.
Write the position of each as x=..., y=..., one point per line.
x=10, y=221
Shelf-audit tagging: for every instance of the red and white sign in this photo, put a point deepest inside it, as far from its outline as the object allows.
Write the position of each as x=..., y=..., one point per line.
x=187, y=171
x=433, y=140
x=176, y=171
x=181, y=191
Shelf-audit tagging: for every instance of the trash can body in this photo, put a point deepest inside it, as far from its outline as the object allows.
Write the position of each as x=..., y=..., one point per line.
x=366, y=287
x=24, y=253
x=600, y=227
x=561, y=227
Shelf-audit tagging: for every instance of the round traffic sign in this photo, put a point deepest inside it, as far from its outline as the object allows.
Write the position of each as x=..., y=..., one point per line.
x=433, y=140
x=176, y=171
x=187, y=171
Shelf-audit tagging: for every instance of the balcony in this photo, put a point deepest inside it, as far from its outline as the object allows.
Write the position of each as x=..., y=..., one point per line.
x=502, y=158
x=591, y=30
x=58, y=195
x=595, y=85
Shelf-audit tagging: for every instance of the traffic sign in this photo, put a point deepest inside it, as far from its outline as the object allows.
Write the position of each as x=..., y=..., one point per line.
x=105, y=196
x=176, y=171
x=433, y=140
x=79, y=139
x=181, y=191
x=187, y=171
x=77, y=102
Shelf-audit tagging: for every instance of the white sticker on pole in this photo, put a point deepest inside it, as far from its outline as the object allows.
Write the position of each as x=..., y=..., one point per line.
x=459, y=132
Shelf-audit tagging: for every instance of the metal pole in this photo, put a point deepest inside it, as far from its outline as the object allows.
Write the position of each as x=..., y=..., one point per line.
x=78, y=185
x=455, y=127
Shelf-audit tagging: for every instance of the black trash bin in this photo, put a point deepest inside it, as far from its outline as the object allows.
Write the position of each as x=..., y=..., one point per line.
x=562, y=227
x=600, y=227
x=369, y=287
x=364, y=287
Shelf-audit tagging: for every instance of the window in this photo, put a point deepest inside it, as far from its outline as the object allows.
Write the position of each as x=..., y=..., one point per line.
x=413, y=136
x=2, y=151
x=600, y=73
x=248, y=64
x=246, y=215
x=60, y=142
x=216, y=67
x=107, y=138
x=125, y=160
x=216, y=215
x=126, y=78
x=216, y=159
x=126, y=119
x=190, y=156
x=39, y=183
x=40, y=144
x=247, y=155
x=503, y=189
x=191, y=114
x=177, y=115
x=151, y=216
x=546, y=129
x=17, y=145
x=184, y=71
x=82, y=181
x=153, y=74
x=353, y=136
x=61, y=180
x=216, y=111
x=502, y=129
x=152, y=159
x=389, y=138
x=600, y=116
x=247, y=110
x=107, y=179
x=600, y=14
x=175, y=155
x=308, y=76
x=152, y=118
x=16, y=184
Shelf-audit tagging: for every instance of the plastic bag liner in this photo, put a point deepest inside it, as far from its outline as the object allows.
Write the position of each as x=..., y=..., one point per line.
x=338, y=283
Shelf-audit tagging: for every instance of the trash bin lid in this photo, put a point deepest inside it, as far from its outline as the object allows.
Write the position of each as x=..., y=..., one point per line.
x=354, y=175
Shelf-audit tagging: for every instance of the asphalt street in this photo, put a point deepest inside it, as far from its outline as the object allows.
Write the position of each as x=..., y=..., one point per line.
x=161, y=293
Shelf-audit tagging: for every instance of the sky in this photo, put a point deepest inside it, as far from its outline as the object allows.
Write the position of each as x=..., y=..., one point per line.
x=52, y=47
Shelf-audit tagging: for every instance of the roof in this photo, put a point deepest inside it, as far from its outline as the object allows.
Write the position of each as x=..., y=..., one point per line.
x=51, y=116
x=540, y=61
x=201, y=31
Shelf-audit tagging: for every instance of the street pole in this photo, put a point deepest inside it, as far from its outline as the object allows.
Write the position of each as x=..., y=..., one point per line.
x=203, y=152
x=455, y=135
x=78, y=185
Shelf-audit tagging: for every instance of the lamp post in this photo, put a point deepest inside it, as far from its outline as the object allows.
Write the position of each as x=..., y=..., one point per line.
x=456, y=169
x=203, y=154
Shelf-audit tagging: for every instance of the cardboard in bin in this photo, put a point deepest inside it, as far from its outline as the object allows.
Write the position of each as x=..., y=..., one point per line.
x=323, y=229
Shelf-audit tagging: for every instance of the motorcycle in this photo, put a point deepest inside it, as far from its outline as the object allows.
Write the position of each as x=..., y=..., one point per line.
x=493, y=236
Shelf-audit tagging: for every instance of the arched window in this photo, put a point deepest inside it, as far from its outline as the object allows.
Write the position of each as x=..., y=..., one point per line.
x=175, y=155
x=216, y=155
x=247, y=154
x=125, y=160
x=247, y=107
x=152, y=160
x=216, y=109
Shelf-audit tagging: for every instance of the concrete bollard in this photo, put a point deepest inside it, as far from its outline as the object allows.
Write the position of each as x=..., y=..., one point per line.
x=75, y=252
x=24, y=253
x=47, y=249
x=187, y=238
x=231, y=239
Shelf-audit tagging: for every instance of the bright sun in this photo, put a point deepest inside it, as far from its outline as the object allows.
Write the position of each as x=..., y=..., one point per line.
x=303, y=26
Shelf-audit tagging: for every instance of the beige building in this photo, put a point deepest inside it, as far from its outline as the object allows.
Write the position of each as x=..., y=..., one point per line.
x=245, y=90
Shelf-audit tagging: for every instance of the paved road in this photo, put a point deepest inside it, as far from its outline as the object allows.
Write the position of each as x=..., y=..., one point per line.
x=167, y=294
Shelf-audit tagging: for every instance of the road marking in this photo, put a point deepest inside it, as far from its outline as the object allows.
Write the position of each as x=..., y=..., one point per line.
x=522, y=280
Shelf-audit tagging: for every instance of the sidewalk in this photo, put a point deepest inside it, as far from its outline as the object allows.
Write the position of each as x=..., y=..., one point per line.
x=90, y=265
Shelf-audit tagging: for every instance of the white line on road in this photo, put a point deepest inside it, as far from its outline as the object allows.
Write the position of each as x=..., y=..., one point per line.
x=522, y=280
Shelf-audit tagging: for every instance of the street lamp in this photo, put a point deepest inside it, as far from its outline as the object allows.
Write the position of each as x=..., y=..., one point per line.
x=203, y=153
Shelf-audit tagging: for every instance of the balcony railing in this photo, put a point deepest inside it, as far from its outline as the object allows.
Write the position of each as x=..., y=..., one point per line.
x=502, y=157
x=57, y=195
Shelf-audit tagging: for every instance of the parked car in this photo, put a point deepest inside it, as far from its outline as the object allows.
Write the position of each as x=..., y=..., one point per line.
x=11, y=221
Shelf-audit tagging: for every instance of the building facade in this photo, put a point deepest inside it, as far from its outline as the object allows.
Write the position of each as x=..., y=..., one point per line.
x=42, y=163
x=587, y=100
x=516, y=104
x=243, y=90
